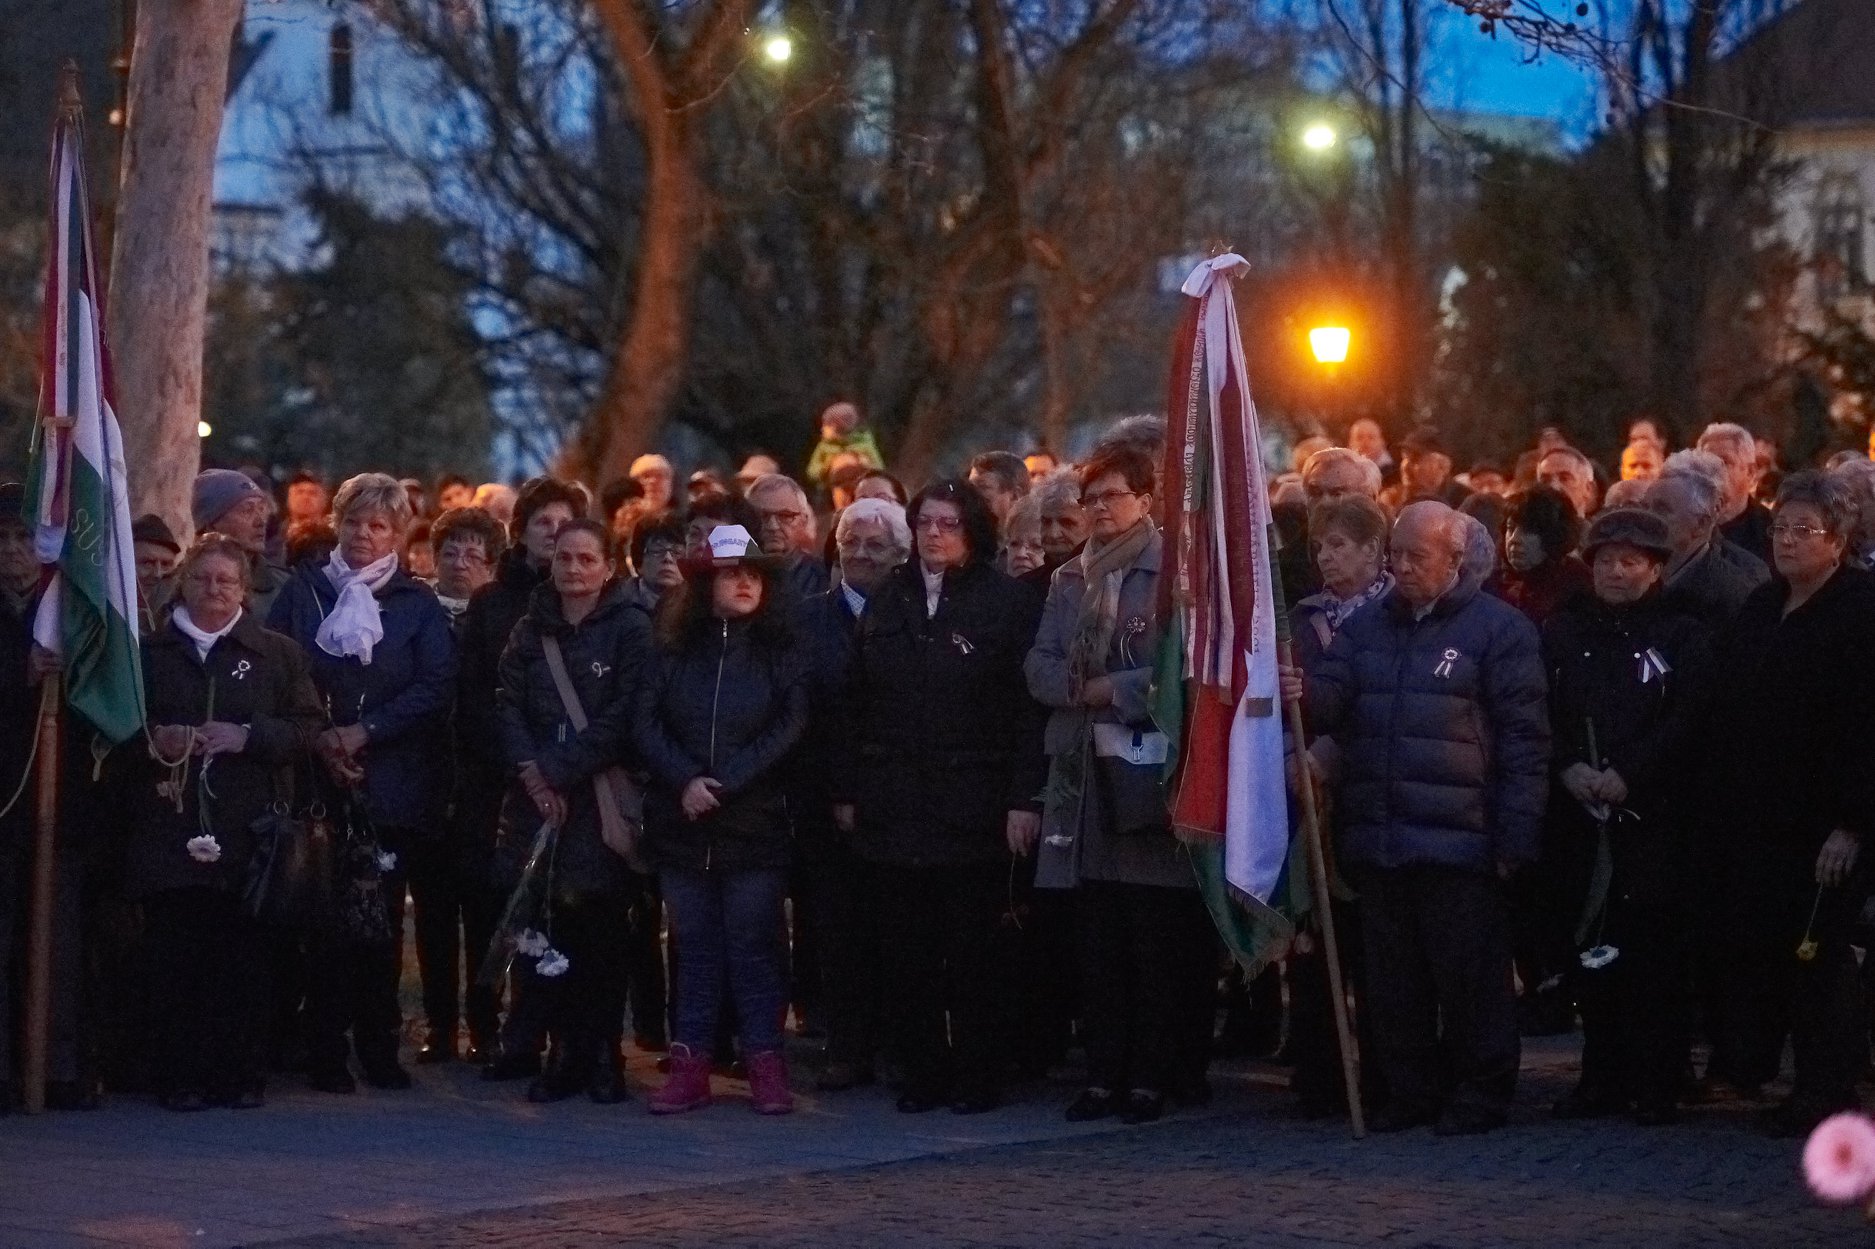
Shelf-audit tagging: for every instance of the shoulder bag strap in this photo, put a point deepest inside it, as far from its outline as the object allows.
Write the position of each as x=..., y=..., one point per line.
x=614, y=825
x=556, y=664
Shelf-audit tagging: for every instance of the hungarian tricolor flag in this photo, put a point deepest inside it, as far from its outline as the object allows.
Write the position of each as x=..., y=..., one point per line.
x=76, y=492
x=1216, y=691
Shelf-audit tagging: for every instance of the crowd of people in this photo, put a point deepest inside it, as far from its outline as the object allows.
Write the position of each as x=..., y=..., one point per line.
x=682, y=771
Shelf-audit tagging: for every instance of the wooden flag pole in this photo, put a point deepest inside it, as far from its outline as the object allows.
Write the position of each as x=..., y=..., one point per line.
x=1318, y=857
x=39, y=914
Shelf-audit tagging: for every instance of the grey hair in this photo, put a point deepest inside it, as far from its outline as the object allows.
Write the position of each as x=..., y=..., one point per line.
x=1831, y=495
x=375, y=492
x=1060, y=488
x=1724, y=432
x=1570, y=453
x=881, y=511
x=1026, y=510
x=1327, y=456
x=1701, y=466
x=779, y=481
x=1858, y=474
x=1625, y=494
x=1478, y=553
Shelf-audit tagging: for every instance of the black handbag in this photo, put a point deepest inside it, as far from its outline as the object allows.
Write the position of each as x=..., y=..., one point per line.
x=289, y=870
x=1129, y=771
x=360, y=912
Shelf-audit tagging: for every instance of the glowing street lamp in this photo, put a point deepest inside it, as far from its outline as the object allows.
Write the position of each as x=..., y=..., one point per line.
x=1330, y=343
x=1319, y=137
x=203, y=429
x=778, y=49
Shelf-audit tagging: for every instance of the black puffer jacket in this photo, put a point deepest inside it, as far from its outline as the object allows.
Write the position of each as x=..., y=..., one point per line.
x=1443, y=727
x=939, y=739
x=605, y=655
x=730, y=705
x=252, y=676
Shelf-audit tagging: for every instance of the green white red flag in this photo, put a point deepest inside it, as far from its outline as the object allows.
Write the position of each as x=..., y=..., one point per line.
x=76, y=495
x=1216, y=692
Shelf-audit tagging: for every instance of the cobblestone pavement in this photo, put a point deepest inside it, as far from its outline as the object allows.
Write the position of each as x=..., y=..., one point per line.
x=459, y=1163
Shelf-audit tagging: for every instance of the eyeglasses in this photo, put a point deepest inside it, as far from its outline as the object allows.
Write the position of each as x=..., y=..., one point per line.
x=453, y=554
x=784, y=518
x=1800, y=533
x=662, y=550
x=940, y=524
x=214, y=583
x=1107, y=498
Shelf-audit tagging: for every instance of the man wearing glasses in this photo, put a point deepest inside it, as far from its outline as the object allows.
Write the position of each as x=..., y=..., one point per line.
x=788, y=530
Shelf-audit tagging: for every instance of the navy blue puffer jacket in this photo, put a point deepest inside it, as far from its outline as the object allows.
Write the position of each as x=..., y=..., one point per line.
x=1443, y=728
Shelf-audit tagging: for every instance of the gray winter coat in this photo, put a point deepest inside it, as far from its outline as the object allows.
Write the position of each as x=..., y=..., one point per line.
x=1097, y=851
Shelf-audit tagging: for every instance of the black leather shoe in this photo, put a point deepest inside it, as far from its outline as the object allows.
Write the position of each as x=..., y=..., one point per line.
x=436, y=1048
x=386, y=1074
x=1657, y=1115
x=505, y=1066
x=976, y=1102
x=250, y=1096
x=332, y=1080
x=184, y=1100
x=1401, y=1117
x=1092, y=1104
x=607, y=1086
x=556, y=1082
x=1143, y=1106
x=918, y=1103
x=477, y=1054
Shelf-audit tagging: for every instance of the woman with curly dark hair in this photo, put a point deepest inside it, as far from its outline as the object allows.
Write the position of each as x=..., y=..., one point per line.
x=938, y=778
x=724, y=703
x=1541, y=570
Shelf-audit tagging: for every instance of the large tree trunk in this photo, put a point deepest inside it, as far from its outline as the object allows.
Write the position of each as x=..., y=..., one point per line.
x=159, y=266
x=654, y=348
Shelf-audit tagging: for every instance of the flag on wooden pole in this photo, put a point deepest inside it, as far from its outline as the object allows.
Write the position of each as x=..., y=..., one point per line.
x=76, y=490
x=1216, y=690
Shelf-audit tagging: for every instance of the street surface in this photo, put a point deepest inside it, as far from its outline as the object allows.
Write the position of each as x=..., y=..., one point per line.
x=458, y=1163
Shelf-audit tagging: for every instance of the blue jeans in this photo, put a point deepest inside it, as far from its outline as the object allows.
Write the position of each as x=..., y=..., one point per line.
x=729, y=923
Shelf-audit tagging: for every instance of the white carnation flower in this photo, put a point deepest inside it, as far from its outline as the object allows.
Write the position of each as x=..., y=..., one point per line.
x=204, y=849
x=1599, y=957
x=553, y=963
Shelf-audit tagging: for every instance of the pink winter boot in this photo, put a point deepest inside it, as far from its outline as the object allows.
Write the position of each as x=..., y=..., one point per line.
x=768, y=1083
x=689, y=1085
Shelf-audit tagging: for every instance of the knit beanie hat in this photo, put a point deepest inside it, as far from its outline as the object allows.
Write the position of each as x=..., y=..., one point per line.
x=217, y=491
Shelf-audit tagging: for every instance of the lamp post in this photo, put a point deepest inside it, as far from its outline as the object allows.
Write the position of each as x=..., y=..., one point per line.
x=778, y=48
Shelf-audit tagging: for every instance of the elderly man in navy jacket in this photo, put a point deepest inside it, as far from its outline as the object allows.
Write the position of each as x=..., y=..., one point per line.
x=1436, y=696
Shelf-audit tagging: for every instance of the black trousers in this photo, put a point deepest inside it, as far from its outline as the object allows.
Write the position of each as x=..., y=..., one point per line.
x=1439, y=985
x=649, y=984
x=1313, y=1038
x=351, y=987
x=845, y=926
x=68, y=952
x=938, y=928
x=456, y=912
x=1146, y=970
x=584, y=1008
x=208, y=965
x=1770, y=993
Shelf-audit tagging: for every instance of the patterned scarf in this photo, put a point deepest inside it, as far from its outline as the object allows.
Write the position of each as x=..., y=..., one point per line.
x=1339, y=609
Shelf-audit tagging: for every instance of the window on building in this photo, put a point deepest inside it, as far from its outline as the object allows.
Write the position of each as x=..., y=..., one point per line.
x=1841, y=231
x=340, y=70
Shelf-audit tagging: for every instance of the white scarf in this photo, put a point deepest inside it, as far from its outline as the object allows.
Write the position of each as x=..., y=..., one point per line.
x=204, y=642
x=354, y=626
x=933, y=589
